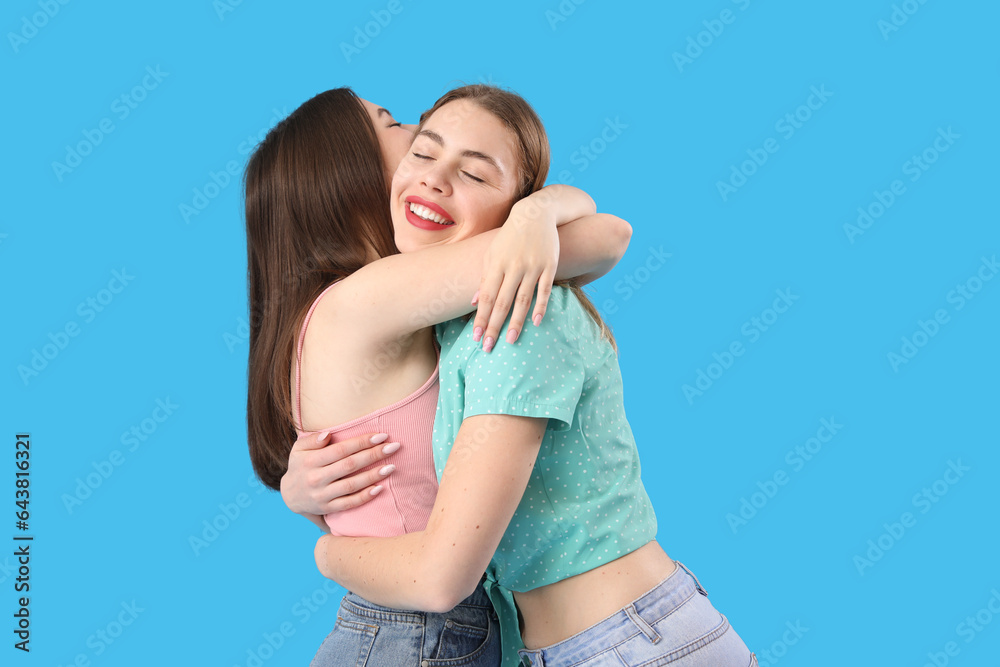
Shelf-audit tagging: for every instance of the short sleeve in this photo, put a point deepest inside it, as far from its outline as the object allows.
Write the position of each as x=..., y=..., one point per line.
x=541, y=374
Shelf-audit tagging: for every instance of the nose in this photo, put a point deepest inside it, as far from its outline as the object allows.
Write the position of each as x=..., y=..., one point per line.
x=435, y=177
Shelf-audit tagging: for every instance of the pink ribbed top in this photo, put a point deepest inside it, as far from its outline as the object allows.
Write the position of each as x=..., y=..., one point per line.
x=405, y=503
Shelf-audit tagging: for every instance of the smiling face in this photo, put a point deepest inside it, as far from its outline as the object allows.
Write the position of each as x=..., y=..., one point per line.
x=458, y=179
x=393, y=137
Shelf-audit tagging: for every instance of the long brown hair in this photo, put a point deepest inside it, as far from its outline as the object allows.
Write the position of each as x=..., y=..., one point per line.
x=317, y=208
x=532, y=151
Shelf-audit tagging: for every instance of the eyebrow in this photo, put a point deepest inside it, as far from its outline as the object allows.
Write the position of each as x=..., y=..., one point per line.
x=384, y=111
x=436, y=138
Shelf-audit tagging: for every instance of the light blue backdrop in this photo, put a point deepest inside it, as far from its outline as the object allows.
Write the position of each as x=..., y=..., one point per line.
x=807, y=313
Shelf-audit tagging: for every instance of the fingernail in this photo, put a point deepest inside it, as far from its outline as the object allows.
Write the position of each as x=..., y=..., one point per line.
x=381, y=437
x=385, y=470
x=537, y=319
x=477, y=333
x=488, y=345
x=323, y=436
x=511, y=335
x=390, y=448
x=375, y=490
x=475, y=297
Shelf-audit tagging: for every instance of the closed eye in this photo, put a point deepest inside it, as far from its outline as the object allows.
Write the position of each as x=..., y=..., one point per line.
x=396, y=124
x=475, y=178
x=420, y=157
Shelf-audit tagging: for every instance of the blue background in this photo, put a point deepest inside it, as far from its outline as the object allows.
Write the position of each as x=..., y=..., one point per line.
x=174, y=332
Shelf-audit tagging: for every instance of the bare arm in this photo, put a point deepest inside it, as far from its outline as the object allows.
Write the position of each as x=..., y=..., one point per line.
x=395, y=296
x=435, y=569
x=527, y=250
x=436, y=284
x=592, y=246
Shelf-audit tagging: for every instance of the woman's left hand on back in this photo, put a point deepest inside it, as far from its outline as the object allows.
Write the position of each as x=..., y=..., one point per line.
x=322, y=476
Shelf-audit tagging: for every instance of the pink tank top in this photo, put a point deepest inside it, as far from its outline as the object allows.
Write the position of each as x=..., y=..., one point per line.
x=404, y=505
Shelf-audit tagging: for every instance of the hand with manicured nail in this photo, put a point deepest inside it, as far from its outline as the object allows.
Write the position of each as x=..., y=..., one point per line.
x=524, y=257
x=319, y=478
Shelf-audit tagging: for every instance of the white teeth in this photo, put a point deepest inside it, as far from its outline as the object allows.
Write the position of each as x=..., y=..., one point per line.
x=428, y=214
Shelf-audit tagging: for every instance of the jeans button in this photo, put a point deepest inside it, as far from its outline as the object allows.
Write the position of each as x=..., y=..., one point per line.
x=448, y=623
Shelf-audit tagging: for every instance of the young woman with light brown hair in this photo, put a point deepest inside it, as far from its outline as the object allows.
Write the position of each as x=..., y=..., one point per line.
x=341, y=344
x=539, y=473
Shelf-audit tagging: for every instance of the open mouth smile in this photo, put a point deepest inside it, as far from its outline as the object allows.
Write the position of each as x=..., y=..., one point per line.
x=426, y=215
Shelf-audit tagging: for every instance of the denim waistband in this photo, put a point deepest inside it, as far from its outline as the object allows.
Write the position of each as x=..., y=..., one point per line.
x=646, y=610
x=364, y=608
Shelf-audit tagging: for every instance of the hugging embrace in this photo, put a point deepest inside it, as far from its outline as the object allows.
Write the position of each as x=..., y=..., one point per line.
x=475, y=476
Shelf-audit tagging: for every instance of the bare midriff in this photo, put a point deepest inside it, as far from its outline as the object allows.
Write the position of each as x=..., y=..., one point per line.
x=558, y=611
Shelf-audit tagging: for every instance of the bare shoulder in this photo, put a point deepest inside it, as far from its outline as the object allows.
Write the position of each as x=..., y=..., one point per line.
x=341, y=353
x=347, y=316
x=326, y=353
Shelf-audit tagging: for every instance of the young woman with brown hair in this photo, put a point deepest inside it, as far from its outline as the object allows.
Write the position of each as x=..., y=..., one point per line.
x=539, y=474
x=341, y=330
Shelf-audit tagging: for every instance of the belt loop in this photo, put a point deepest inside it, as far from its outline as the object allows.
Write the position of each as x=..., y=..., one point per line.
x=696, y=582
x=651, y=634
x=531, y=658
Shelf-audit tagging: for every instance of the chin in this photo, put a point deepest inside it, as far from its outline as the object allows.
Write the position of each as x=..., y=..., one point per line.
x=404, y=244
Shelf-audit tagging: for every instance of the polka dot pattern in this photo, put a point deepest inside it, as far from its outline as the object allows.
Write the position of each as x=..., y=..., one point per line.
x=585, y=504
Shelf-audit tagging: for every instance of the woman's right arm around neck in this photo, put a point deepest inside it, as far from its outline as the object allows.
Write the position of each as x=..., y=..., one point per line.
x=398, y=295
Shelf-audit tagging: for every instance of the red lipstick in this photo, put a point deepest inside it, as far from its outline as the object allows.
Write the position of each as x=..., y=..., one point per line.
x=423, y=223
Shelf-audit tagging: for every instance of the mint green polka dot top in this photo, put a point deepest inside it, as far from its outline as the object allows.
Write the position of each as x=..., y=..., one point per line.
x=584, y=505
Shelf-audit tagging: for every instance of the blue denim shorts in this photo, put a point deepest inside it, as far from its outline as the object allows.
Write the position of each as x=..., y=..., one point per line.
x=673, y=624
x=370, y=635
